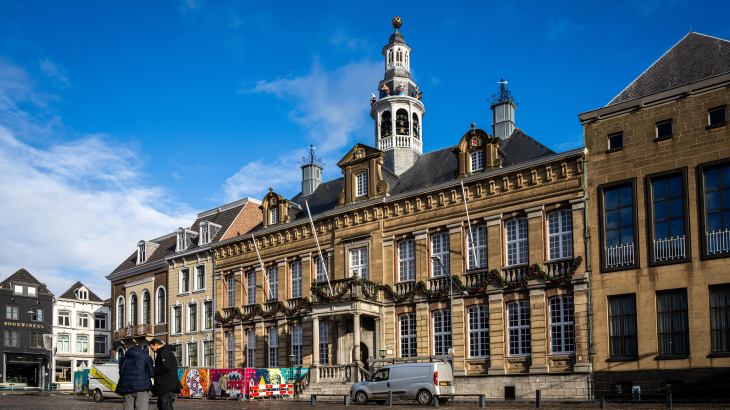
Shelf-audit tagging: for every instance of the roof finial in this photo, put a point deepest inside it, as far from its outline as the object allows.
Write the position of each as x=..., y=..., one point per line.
x=311, y=159
x=397, y=22
x=504, y=94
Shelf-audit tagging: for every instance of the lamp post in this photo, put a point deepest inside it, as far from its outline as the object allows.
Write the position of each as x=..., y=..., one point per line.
x=50, y=328
x=451, y=304
x=292, y=357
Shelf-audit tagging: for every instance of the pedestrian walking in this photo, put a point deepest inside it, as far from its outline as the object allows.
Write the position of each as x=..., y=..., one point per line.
x=223, y=385
x=167, y=385
x=136, y=371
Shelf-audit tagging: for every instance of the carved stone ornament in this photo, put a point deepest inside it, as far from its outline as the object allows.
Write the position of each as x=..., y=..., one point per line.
x=382, y=186
x=359, y=153
x=475, y=141
x=341, y=197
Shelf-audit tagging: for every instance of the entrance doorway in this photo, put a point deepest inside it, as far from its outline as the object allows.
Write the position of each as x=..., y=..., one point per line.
x=363, y=354
x=23, y=373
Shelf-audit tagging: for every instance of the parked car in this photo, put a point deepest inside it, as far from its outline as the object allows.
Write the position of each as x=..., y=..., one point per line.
x=407, y=381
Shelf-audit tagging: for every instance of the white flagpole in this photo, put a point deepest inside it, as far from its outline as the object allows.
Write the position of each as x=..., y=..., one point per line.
x=266, y=277
x=468, y=221
x=321, y=255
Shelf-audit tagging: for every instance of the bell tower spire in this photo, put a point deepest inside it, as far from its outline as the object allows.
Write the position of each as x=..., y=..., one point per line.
x=397, y=111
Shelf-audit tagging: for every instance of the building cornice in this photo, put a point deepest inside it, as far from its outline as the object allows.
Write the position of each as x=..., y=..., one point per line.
x=137, y=270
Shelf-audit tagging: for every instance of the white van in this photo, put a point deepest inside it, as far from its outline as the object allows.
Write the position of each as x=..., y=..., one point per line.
x=407, y=381
x=103, y=379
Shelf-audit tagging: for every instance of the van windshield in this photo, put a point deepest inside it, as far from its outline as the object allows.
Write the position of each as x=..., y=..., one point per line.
x=381, y=375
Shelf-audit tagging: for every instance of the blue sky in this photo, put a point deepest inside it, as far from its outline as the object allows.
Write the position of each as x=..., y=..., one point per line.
x=120, y=121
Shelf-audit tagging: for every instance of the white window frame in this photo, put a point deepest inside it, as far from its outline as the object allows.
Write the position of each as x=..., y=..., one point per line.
x=478, y=331
x=274, y=215
x=251, y=287
x=181, y=289
x=149, y=306
x=273, y=339
x=12, y=312
x=161, y=310
x=442, y=335
x=66, y=316
x=272, y=276
x=230, y=290
x=406, y=260
x=133, y=309
x=208, y=312
x=324, y=343
x=80, y=318
x=180, y=240
x=476, y=161
x=36, y=314
x=296, y=344
x=120, y=352
x=562, y=325
x=560, y=234
x=516, y=233
x=141, y=253
x=408, y=335
x=189, y=322
x=198, y=269
x=81, y=342
x=319, y=263
x=197, y=354
x=63, y=343
x=121, y=312
x=230, y=350
x=361, y=183
x=174, y=319
x=518, y=328
x=295, y=269
x=358, y=258
x=206, y=344
x=204, y=233
x=479, y=232
x=440, y=247
x=251, y=348
x=100, y=351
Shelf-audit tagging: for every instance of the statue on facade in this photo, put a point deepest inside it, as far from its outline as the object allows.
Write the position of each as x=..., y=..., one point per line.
x=401, y=89
x=384, y=91
x=419, y=94
x=373, y=99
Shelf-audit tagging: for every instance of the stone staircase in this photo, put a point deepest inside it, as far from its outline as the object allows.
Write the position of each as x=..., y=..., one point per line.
x=325, y=387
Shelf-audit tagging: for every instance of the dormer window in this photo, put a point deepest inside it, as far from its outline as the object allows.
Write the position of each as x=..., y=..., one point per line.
x=141, y=252
x=362, y=184
x=477, y=161
x=204, y=233
x=82, y=294
x=274, y=216
x=180, y=240
x=31, y=290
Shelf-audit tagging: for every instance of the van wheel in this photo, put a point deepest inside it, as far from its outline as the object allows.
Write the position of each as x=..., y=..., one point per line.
x=361, y=397
x=98, y=397
x=424, y=397
x=443, y=400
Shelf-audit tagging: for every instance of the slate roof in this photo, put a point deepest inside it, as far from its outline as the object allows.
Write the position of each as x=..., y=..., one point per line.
x=69, y=294
x=23, y=275
x=167, y=247
x=694, y=58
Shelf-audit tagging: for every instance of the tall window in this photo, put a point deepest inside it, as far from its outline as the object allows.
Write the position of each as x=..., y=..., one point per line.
x=406, y=260
x=717, y=210
x=230, y=350
x=36, y=314
x=479, y=331
x=177, y=310
x=100, y=344
x=250, y=348
x=64, y=317
x=359, y=262
x=179, y=354
x=440, y=248
x=441, y=332
x=673, y=322
x=560, y=234
x=296, y=279
x=36, y=340
x=518, y=325
x=11, y=312
x=408, y=345
x=619, y=223
x=208, y=357
x=185, y=280
x=200, y=277
x=146, y=308
x=720, y=319
x=251, y=287
x=230, y=291
x=63, y=345
x=273, y=347
x=478, y=248
x=516, y=230
x=120, y=313
x=100, y=321
x=274, y=216
x=320, y=267
x=193, y=354
x=362, y=184
x=208, y=312
x=296, y=344
x=324, y=343
x=133, y=310
x=82, y=344
x=477, y=161
x=11, y=338
x=562, y=330
x=161, y=305
x=204, y=232
x=82, y=320
x=193, y=317
x=273, y=278
x=668, y=218
x=622, y=325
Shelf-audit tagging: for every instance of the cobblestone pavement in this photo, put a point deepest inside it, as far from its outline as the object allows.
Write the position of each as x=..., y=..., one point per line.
x=69, y=402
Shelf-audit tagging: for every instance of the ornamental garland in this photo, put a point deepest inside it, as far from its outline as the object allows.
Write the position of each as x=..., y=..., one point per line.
x=319, y=289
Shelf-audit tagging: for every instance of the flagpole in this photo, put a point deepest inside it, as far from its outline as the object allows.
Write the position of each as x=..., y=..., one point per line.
x=468, y=221
x=266, y=277
x=316, y=240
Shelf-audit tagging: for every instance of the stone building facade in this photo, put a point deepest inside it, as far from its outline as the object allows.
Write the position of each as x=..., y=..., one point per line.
x=659, y=177
x=361, y=278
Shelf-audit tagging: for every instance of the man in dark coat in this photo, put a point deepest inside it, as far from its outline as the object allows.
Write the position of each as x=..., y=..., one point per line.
x=136, y=371
x=167, y=385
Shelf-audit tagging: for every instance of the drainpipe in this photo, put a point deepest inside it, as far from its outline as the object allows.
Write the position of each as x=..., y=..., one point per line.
x=587, y=237
x=212, y=255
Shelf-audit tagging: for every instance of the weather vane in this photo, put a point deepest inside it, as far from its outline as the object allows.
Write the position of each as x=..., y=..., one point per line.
x=311, y=159
x=504, y=94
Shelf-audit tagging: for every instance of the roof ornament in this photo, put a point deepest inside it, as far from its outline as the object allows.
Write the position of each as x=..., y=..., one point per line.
x=397, y=22
x=311, y=159
x=504, y=94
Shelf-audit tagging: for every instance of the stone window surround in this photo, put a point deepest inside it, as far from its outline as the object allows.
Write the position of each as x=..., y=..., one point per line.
x=701, y=206
x=177, y=305
x=187, y=351
x=559, y=207
x=650, y=215
x=187, y=317
x=194, y=277
x=157, y=310
x=352, y=245
x=602, y=223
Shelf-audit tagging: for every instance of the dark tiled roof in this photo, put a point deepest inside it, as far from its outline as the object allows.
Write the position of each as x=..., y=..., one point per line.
x=69, y=294
x=223, y=218
x=23, y=275
x=694, y=58
x=520, y=147
x=167, y=247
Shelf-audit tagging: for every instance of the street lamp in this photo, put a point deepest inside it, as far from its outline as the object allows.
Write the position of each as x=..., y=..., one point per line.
x=451, y=302
x=292, y=357
x=50, y=328
x=383, y=352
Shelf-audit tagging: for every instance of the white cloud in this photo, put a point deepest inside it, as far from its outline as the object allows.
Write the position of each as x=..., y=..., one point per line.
x=255, y=178
x=52, y=71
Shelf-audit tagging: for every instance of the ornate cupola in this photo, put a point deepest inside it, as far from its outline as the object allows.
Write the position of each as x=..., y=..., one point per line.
x=503, y=112
x=397, y=111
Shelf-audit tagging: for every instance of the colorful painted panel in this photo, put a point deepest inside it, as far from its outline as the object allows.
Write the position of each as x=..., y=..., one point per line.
x=258, y=377
x=81, y=382
x=235, y=382
x=195, y=382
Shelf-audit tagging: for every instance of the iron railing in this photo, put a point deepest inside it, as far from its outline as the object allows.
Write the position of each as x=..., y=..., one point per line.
x=718, y=242
x=620, y=255
x=668, y=249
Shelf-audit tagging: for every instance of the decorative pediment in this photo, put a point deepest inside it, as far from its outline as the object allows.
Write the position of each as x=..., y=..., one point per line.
x=362, y=168
x=275, y=209
x=484, y=148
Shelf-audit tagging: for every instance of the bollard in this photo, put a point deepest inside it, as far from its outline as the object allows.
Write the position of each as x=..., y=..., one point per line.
x=602, y=402
x=481, y=401
x=390, y=398
x=435, y=401
x=347, y=400
x=313, y=400
x=538, y=401
x=669, y=401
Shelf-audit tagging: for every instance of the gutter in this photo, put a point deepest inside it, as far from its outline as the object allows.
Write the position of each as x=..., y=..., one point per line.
x=587, y=236
x=136, y=270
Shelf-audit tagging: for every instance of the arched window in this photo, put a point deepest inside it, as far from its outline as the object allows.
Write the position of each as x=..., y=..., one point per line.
x=401, y=122
x=133, y=318
x=416, y=126
x=161, y=305
x=120, y=352
x=362, y=184
x=146, y=308
x=386, y=127
x=120, y=312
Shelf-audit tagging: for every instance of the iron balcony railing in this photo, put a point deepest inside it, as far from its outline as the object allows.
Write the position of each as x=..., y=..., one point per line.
x=718, y=242
x=620, y=255
x=668, y=249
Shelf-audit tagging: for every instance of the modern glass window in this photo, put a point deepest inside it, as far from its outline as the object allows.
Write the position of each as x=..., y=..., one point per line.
x=479, y=331
x=668, y=221
x=120, y=313
x=146, y=308
x=192, y=354
x=408, y=344
x=324, y=343
x=82, y=320
x=615, y=141
x=362, y=184
x=477, y=249
x=274, y=216
x=82, y=344
x=477, y=161
x=200, y=277
x=36, y=314
x=619, y=226
x=36, y=340
x=717, y=209
x=11, y=338
x=64, y=318
x=440, y=248
x=320, y=268
x=63, y=371
x=273, y=347
x=11, y=312
x=100, y=321
x=230, y=350
x=717, y=115
x=273, y=278
x=208, y=357
x=441, y=332
x=177, y=311
x=296, y=344
x=63, y=345
x=516, y=230
x=406, y=260
x=179, y=354
x=672, y=322
x=230, y=291
x=720, y=319
x=518, y=327
x=296, y=279
x=562, y=325
x=161, y=305
x=250, y=348
x=664, y=129
x=560, y=234
x=193, y=317
x=208, y=312
x=359, y=262
x=133, y=310
x=185, y=280
x=251, y=287
x=622, y=325
x=100, y=345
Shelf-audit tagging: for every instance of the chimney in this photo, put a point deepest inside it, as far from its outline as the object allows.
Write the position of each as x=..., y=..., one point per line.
x=311, y=172
x=503, y=112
